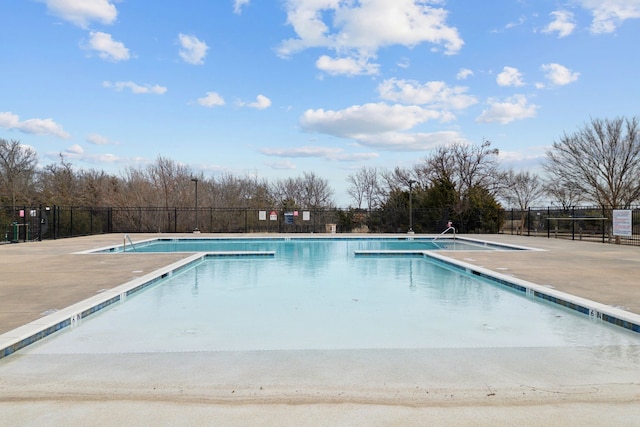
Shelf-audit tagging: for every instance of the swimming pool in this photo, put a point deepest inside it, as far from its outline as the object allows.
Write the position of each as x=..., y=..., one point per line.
x=281, y=243
x=328, y=294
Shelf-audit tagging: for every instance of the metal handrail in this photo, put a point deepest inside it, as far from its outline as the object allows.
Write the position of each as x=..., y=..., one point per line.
x=124, y=243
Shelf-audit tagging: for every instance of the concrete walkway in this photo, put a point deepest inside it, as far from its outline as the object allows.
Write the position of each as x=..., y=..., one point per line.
x=542, y=386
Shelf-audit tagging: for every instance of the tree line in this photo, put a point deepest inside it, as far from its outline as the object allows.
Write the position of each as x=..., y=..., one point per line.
x=163, y=183
x=599, y=164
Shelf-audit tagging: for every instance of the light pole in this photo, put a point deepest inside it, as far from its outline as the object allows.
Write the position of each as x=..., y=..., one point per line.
x=196, y=230
x=411, y=182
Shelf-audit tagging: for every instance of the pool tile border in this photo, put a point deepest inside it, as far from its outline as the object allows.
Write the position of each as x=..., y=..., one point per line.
x=593, y=309
x=141, y=243
x=25, y=335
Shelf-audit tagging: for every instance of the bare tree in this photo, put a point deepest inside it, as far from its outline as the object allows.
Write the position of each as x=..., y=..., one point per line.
x=566, y=194
x=465, y=166
x=602, y=160
x=396, y=181
x=58, y=183
x=285, y=192
x=17, y=168
x=316, y=192
x=525, y=189
x=309, y=191
x=172, y=181
x=136, y=190
x=229, y=190
x=364, y=187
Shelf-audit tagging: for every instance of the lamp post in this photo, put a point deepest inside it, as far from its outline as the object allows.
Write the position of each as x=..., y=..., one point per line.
x=196, y=230
x=411, y=182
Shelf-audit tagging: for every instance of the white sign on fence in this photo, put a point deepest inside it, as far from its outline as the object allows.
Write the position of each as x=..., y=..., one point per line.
x=622, y=223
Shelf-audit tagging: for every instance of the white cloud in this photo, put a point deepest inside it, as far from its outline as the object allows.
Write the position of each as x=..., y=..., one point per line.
x=610, y=14
x=261, y=103
x=11, y=121
x=107, y=48
x=282, y=165
x=106, y=158
x=212, y=99
x=359, y=120
x=347, y=66
x=193, y=50
x=238, y=4
x=75, y=149
x=379, y=126
x=521, y=20
x=82, y=12
x=436, y=94
x=359, y=29
x=97, y=139
x=510, y=77
x=531, y=159
x=136, y=88
x=332, y=154
x=404, y=63
x=563, y=23
x=76, y=152
x=464, y=73
x=559, y=75
x=397, y=141
x=507, y=111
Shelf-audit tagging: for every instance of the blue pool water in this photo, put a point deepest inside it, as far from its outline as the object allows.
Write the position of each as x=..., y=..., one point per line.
x=283, y=244
x=321, y=295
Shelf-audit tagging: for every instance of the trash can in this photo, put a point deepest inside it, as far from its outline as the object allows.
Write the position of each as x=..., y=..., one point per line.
x=330, y=228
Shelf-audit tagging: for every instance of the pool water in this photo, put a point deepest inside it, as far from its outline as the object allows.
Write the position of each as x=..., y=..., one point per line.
x=284, y=244
x=320, y=295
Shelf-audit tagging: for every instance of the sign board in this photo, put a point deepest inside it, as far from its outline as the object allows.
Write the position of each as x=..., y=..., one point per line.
x=273, y=216
x=622, y=222
x=306, y=215
x=262, y=215
x=288, y=218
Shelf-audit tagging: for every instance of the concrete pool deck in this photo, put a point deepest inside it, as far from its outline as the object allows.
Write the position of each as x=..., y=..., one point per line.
x=329, y=388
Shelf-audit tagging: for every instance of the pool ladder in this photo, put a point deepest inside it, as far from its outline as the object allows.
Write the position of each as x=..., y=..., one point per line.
x=445, y=231
x=124, y=243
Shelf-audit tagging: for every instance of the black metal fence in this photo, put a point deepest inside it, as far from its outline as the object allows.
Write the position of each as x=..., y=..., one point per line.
x=40, y=223
x=576, y=223
x=583, y=223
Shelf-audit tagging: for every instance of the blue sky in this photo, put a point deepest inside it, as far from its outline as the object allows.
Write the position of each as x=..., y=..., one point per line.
x=276, y=88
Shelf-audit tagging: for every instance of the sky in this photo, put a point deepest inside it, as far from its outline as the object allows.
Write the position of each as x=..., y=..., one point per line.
x=274, y=89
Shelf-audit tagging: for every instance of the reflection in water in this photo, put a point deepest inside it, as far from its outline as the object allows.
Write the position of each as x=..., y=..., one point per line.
x=318, y=295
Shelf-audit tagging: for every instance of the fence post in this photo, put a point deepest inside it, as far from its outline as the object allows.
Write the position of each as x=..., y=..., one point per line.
x=511, y=215
x=603, y=214
x=54, y=222
x=548, y=223
x=573, y=223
